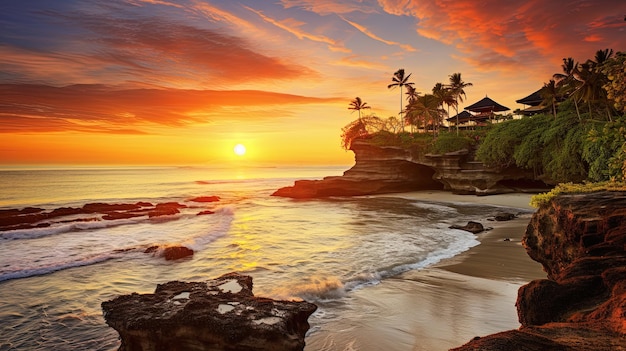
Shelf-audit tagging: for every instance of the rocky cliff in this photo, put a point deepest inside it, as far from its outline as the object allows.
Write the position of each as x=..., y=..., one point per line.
x=580, y=239
x=218, y=315
x=386, y=169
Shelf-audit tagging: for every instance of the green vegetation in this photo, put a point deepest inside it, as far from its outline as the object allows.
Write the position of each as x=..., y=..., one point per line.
x=571, y=188
x=580, y=138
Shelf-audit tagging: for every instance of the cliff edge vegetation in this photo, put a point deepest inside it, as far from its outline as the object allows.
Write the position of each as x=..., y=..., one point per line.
x=576, y=133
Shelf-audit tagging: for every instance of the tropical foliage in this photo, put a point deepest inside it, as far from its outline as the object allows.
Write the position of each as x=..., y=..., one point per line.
x=581, y=138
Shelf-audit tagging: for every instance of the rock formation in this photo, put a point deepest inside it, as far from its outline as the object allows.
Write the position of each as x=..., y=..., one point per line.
x=220, y=314
x=33, y=217
x=386, y=169
x=580, y=241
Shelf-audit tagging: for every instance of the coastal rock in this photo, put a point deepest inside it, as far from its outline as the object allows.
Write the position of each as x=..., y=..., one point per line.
x=30, y=217
x=219, y=314
x=205, y=199
x=471, y=226
x=504, y=216
x=388, y=169
x=580, y=241
x=171, y=253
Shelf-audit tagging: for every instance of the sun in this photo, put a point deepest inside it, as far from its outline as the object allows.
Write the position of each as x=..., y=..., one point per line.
x=239, y=150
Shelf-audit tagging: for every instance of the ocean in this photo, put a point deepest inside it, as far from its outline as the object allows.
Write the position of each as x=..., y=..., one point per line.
x=54, y=278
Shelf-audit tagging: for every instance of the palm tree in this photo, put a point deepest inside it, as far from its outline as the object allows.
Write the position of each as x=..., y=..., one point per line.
x=358, y=105
x=458, y=85
x=444, y=96
x=602, y=56
x=399, y=80
x=411, y=94
x=550, y=93
x=590, y=89
x=425, y=108
x=566, y=81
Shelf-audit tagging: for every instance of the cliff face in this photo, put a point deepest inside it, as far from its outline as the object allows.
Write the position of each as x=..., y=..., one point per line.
x=385, y=169
x=580, y=241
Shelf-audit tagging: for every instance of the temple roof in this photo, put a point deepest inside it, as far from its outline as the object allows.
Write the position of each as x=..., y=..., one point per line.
x=533, y=99
x=463, y=117
x=486, y=105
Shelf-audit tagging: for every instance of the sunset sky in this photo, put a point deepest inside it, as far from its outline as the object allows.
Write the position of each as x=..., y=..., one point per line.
x=163, y=82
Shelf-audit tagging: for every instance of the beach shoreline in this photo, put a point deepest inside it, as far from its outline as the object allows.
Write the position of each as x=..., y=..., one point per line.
x=445, y=305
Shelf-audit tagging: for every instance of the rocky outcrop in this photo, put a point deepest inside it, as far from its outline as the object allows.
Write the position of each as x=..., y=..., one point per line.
x=387, y=169
x=580, y=241
x=219, y=314
x=33, y=217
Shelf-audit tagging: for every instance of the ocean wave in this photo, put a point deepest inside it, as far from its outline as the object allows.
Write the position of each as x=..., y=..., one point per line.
x=58, y=266
x=55, y=228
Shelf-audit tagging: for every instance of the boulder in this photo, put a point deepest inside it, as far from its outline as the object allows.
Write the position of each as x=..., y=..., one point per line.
x=172, y=253
x=472, y=227
x=218, y=314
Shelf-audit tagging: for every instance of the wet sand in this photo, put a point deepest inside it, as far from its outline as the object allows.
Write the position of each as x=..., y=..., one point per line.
x=444, y=306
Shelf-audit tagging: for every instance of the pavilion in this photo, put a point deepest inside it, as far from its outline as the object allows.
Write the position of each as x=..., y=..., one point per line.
x=484, y=109
x=464, y=119
x=534, y=101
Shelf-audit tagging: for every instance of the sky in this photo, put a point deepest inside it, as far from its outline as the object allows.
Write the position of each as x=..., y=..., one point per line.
x=164, y=82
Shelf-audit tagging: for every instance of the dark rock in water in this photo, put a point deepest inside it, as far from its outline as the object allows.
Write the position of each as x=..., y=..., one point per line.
x=580, y=239
x=219, y=314
x=104, y=207
x=472, y=227
x=205, y=199
x=166, y=209
x=120, y=215
x=504, y=216
x=205, y=212
x=171, y=253
x=151, y=249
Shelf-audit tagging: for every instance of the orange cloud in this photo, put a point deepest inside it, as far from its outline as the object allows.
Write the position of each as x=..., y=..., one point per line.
x=103, y=109
x=325, y=7
x=535, y=33
x=369, y=33
x=292, y=26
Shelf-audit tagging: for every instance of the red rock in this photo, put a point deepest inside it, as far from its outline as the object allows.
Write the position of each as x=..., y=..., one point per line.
x=580, y=241
x=176, y=252
x=205, y=199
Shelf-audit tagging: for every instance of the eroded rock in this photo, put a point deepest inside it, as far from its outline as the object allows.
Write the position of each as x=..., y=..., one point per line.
x=219, y=314
x=580, y=241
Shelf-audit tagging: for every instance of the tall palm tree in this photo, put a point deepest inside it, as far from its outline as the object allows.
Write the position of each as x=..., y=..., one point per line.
x=550, y=93
x=458, y=85
x=357, y=105
x=567, y=84
x=399, y=80
x=591, y=86
x=444, y=96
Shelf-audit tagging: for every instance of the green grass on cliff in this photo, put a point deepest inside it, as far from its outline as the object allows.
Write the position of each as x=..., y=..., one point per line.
x=576, y=188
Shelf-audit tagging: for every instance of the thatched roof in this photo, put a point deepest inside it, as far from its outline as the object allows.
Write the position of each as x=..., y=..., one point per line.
x=486, y=105
x=463, y=117
x=533, y=99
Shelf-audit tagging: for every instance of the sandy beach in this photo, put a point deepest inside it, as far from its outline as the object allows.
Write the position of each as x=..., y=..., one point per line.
x=441, y=307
